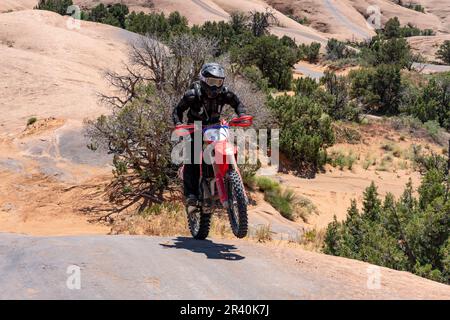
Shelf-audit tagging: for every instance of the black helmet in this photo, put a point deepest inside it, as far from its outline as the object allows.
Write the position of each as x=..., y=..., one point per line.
x=212, y=76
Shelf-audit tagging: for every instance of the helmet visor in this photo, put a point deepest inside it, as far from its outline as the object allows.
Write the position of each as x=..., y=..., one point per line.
x=214, y=82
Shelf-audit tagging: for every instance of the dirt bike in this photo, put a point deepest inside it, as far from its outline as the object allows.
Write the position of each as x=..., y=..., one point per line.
x=221, y=185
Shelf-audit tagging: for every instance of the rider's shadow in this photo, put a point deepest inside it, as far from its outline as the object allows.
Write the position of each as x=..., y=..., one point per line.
x=210, y=249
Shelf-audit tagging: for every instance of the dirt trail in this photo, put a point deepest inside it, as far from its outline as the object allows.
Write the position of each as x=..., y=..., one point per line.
x=309, y=70
x=126, y=267
x=12, y=5
x=210, y=9
x=336, y=13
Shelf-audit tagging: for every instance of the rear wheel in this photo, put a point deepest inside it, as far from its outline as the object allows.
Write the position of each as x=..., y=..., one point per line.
x=199, y=222
x=237, y=205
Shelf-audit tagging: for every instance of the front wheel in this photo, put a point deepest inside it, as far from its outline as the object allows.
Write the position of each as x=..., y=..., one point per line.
x=237, y=205
x=199, y=222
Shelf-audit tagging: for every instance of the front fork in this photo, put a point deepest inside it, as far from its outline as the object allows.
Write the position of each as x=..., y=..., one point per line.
x=224, y=160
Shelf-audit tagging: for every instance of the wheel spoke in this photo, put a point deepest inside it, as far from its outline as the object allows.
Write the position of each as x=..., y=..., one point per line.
x=199, y=223
x=237, y=209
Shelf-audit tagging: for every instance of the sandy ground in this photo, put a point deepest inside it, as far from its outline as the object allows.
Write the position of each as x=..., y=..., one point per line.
x=428, y=46
x=14, y=5
x=52, y=73
x=333, y=190
x=44, y=195
x=305, y=69
x=50, y=62
x=389, y=10
x=36, y=268
x=336, y=18
x=439, y=8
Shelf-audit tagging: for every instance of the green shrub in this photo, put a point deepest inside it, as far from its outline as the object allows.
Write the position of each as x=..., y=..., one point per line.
x=312, y=52
x=305, y=130
x=31, y=121
x=301, y=20
x=433, y=129
x=266, y=184
x=392, y=29
x=426, y=162
x=393, y=148
x=282, y=201
x=341, y=160
x=336, y=98
x=344, y=63
x=432, y=101
x=337, y=50
x=414, y=6
x=248, y=173
x=368, y=162
x=227, y=34
x=271, y=56
x=346, y=133
x=305, y=86
x=391, y=51
x=444, y=52
x=157, y=24
x=254, y=75
x=58, y=6
x=304, y=207
x=384, y=164
x=377, y=89
x=409, y=234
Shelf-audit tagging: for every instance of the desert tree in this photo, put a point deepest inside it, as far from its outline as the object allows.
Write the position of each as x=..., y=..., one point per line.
x=260, y=22
x=336, y=97
x=337, y=50
x=238, y=21
x=137, y=132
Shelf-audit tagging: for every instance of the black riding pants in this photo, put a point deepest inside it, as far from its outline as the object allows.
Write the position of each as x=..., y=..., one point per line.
x=191, y=173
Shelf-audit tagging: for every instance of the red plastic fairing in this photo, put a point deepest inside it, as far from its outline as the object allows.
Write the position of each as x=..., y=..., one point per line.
x=184, y=130
x=244, y=121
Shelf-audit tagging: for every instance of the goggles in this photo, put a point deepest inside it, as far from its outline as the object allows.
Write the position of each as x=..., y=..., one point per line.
x=214, y=82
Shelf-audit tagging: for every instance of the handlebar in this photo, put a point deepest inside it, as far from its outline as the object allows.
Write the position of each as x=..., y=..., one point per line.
x=243, y=121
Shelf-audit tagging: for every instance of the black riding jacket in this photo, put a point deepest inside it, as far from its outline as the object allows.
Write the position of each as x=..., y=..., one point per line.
x=201, y=108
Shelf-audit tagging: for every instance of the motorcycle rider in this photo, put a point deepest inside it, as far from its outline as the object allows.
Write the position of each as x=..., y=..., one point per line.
x=204, y=102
